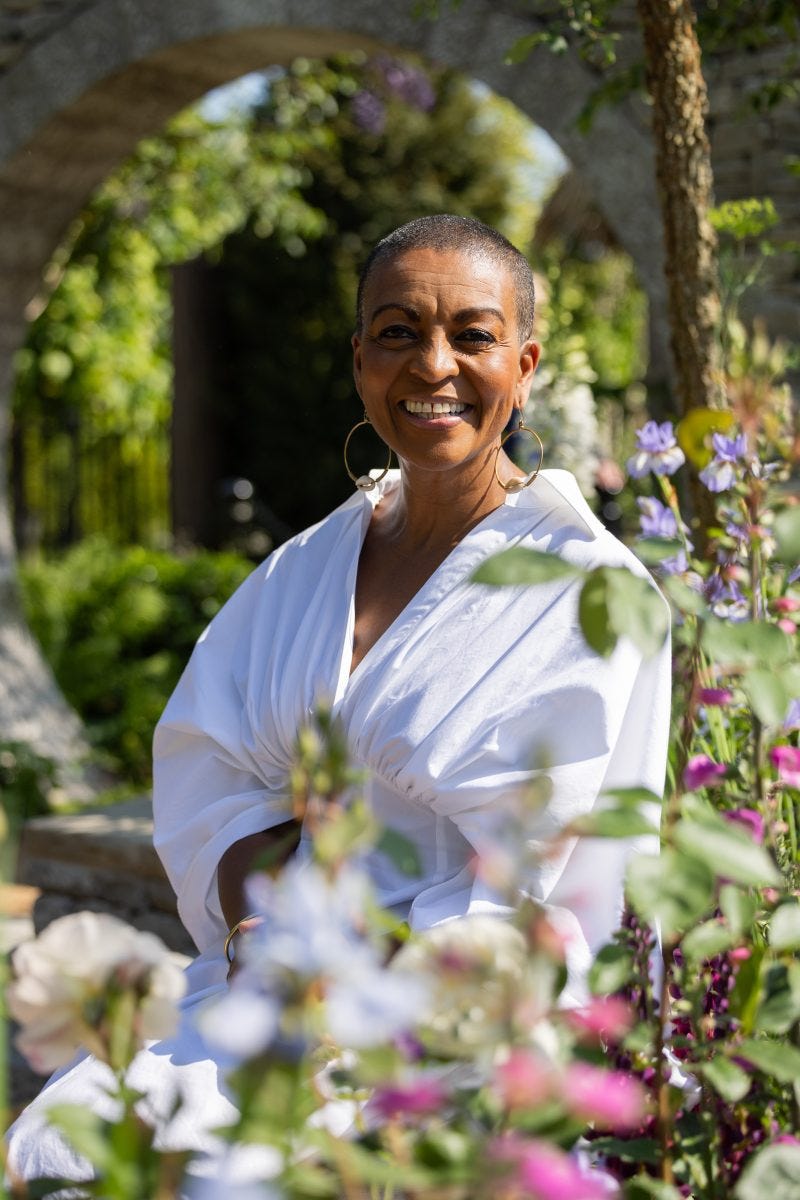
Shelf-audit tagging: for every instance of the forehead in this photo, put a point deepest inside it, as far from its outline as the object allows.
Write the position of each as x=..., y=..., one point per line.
x=447, y=279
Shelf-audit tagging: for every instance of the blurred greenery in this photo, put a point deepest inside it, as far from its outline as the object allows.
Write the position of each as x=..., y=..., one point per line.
x=117, y=626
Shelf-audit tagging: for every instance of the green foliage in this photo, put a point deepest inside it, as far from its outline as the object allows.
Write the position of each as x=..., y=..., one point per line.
x=26, y=781
x=118, y=626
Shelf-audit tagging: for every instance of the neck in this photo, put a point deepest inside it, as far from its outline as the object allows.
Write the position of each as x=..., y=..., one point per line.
x=435, y=509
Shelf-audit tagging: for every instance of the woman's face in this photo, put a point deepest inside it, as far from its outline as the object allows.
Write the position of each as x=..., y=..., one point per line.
x=439, y=364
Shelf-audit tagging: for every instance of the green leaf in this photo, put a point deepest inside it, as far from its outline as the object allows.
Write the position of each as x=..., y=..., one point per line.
x=747, y=990
x=773, y=1172
x=637, y=610
x=612, y=968
x=402, y=853
x=520, y=565
x=738, y=908
x=85, y=1131
x=612, y=823
x=746, y=643
x=653, y=550
x=672, y=889
x=645, y=1188
x=729, y=853
x=636, y=1150
x=780, y=1007
x=685, y=598
x=706, y=940
x=767, y=694
x=726, y=1078
x=787, y=535
x=634, y=795
x=778, y=1059
x=594, y=615
x=523, y=46
x=784, y=927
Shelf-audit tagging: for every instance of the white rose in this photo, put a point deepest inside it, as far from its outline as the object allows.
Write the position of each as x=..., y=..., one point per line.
x=64, y=979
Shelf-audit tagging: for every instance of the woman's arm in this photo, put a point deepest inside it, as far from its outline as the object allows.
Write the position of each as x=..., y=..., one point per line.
x=268, y=851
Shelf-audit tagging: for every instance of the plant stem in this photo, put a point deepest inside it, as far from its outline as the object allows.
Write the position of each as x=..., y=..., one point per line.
x=663, y=1113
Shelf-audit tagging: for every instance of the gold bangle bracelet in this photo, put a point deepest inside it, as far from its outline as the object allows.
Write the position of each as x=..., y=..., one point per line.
x=234, y=929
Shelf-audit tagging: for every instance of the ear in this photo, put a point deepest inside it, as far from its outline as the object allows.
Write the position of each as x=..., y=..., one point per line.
x=528, y=361
x=355, y=342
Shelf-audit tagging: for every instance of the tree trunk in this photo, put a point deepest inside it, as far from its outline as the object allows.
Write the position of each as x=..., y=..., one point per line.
x=683, y=171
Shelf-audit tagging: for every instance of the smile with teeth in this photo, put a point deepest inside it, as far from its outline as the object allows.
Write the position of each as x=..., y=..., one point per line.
x=434, y=408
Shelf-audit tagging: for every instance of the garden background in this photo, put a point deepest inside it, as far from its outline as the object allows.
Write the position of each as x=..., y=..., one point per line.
x=180, y=387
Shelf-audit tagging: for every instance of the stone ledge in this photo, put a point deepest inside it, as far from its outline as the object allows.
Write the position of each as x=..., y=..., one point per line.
x=101, y=859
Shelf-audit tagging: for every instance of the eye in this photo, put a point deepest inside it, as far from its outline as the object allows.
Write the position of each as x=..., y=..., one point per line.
x=476, y=337
x=396, y=332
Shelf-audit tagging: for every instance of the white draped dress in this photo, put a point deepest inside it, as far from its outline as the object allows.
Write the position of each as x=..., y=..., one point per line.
x=446, y=714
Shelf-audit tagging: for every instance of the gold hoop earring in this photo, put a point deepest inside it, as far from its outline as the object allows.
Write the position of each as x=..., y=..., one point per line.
x=515, y=484
x=364, y=483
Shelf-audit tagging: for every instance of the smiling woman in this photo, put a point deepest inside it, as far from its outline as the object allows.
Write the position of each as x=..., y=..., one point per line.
x=447, y=691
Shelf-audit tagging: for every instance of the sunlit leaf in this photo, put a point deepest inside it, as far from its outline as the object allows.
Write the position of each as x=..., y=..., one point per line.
x=694, y=432
x=673, y=889
x=653, y=550
x=521, y=565
x=594, y=616
x=784, y=927
x=612, y=823
x=768, y=694
x=727, y=851
x=726, y=1078
x=746, y=643
x=779, y=1009
x=771, y=1174
x=787, y=535
x=612, y=968
x=778, y=1059
x=706, y=940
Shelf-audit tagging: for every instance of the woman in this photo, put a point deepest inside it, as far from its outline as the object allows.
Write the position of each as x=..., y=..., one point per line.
x=445, y=689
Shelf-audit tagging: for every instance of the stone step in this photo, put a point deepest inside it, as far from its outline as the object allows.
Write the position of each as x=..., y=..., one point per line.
x=101, y=859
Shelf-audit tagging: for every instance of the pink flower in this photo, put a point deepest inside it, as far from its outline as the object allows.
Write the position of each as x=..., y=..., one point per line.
x=748, y=819
x=786, y=604
x=787, y=760
x=701, y=771
x=612, y=1099
x=523, y=1080
x=715, y=697
x=608, y=1018
x=786, y=1139
x=411, y=1099
x=739, y=954
x=543, y=1172
x=787, y=626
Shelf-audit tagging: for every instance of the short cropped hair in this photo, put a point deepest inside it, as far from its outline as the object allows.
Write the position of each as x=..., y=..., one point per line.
x=445, y=231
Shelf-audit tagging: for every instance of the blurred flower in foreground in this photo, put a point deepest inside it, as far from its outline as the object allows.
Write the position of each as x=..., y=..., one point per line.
x=748, y=819
x=787, y=760
x=715, y=697
x=657, y=451
x=611, y=1099
x=701, y=771
x=606, y=1018
x=82, y=973
x=730, y=456
x=412, y=1098
x=792, y=719
x=541, y=1170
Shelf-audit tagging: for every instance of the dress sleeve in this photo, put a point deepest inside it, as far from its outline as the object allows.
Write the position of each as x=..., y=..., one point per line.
x=212, y=782
x=608, y=728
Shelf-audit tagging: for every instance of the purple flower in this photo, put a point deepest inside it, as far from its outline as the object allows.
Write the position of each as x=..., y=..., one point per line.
x=369, y=112
x=715, y=697
x=748, y=819
x=730, y=454
x=657, y=519
x=794, y=575
x=792, y=719
x=701, y=771
x=414, y=1098
x=726, y=597
x=407, y=82
x=657, y=451
x=787, y=760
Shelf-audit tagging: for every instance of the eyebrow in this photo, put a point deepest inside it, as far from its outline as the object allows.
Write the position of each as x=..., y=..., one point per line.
x=463, y=314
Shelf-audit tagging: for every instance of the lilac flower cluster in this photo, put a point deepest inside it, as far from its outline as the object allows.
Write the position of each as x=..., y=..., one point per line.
x=394, y=78
x=657, y=451
x=658, y=520
x=407, y=82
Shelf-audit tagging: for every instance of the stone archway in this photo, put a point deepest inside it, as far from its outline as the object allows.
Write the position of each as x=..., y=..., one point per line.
x=86, y=79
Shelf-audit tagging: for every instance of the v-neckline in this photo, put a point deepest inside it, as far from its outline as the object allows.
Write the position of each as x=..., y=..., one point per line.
x=348, y=677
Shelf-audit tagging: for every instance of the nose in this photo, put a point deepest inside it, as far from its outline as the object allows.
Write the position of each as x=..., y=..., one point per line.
x=435, y=358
